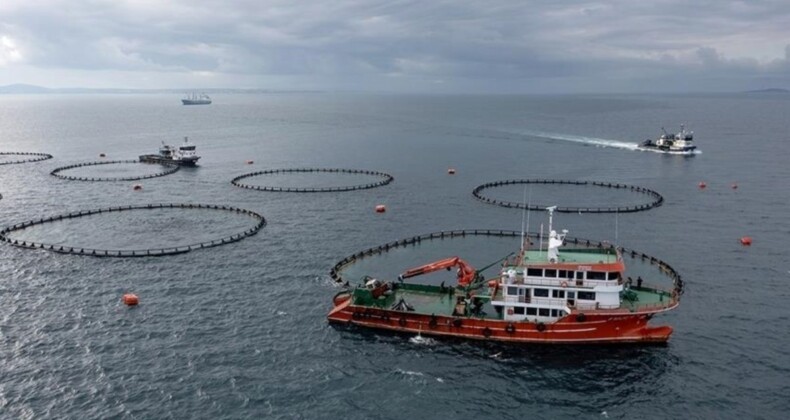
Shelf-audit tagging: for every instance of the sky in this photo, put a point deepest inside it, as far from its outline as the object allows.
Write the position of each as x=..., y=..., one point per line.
x=430, y=46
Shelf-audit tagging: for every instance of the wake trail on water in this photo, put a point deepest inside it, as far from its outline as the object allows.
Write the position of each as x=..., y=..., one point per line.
x=594, y=141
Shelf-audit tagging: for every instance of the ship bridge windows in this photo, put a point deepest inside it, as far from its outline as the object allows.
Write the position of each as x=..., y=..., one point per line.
x=586, y=295
x=518, y=310
x=543, y=311
x=565, y=274
x=596, y=275
x=532, y=311
x=558, y=294
x=613, y=275
x=512, y=291
x=580, y=275
x=550, y=272
x=535, y=272
x=541, y=293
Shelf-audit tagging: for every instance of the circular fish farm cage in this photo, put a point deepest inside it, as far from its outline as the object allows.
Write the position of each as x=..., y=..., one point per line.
x=59, y=172
x=7, y=234
x=27, y=157
x=655, y=199
x=383, y=179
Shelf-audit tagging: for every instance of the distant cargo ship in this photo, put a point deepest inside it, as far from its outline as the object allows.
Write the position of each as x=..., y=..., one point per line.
x=197, y=99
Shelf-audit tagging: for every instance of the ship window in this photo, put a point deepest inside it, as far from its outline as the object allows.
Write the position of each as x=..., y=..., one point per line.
x=580, y=275
x=586, y=295
x=532, y=311
x=537, y=272
x=518, y=310
x=614, y=275
x=558, y=293
x=543, y=311
x=571, y=295
x=563, y=274
x=512, y=291
x=596, y=275
x=550, y=273
x=554, y=313
x=541, y=292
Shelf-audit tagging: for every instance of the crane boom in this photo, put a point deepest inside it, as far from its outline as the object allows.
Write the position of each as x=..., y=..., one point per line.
x=466, y=273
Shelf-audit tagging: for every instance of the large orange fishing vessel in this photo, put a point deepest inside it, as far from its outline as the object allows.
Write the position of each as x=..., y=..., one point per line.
x=568, y=296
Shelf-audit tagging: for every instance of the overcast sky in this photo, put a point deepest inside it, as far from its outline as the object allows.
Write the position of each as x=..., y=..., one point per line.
x=473, y=46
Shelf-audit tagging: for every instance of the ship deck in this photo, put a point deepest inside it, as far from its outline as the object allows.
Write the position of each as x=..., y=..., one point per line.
x=572, y=256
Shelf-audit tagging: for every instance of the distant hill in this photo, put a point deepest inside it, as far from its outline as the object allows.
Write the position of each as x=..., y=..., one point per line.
x=770, y=90
x=21, y=88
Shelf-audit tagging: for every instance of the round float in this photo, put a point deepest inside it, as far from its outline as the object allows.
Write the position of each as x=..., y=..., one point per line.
x=336, y=273
x=169, y=169
x=656, y=198
x=5, y=234
x=28, y=157
x=384, y=179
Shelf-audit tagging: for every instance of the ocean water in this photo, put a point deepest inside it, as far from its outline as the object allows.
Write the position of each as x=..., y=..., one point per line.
x=239, y=331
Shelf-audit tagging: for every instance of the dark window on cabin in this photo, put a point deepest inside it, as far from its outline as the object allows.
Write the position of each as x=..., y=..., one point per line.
x=512, y=291
x=543, y=311
x=558, y=293
x=571, y=295
x=563, y=274
x=614, y=275
x=554, y=313
x=541, y=292
x=518, y=310
x=580, y=275
x=586, y=295
x=536, y=272
x=596, y=275
x=550, y=273
x=532, y=311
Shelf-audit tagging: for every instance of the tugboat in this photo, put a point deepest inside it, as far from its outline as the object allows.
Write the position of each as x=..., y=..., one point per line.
x=678, y=143
x=195, y=99
x=573, y=296
x=182, y=155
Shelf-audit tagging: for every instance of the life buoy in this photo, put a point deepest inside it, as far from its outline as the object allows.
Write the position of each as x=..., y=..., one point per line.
x=510, y=328
x=564, y=283
x=487, y=332
x=510, y=311
x=457, y=322
x=402, y=322
x=581, y=318
x=540, y=327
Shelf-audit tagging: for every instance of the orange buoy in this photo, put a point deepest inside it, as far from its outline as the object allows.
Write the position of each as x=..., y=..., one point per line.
x=746, y=241
x=250, y=162
x=137, y=187
x=702, y=185
x=734, y=186
x=381, y=208
x=102, y=155
x=451, y=171
x=130, y=299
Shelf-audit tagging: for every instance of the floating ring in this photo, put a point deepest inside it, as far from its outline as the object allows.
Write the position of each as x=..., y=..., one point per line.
x=657, y=198
x=385, y=179
x=487, y=332
x=510, y=328
x=171, y=168
x=336, y=273
x=36, y=157
x=540, y=327
x=151, y=252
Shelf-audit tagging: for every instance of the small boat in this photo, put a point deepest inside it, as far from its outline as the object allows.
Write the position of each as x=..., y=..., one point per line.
x=196, y=99
x=573, y=296
x=678, y=143
x=181, y=155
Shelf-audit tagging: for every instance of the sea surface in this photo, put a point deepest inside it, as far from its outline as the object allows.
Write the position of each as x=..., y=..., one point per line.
x=240, y=331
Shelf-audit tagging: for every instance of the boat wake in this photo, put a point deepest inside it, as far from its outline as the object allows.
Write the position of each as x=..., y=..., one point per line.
x=599, y=142
x=419, y=339
x=593, y=141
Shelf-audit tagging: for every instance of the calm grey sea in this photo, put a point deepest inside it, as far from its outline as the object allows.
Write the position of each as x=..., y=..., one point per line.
x=239, y=331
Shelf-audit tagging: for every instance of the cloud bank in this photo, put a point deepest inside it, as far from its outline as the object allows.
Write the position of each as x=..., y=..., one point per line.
x=398, y=45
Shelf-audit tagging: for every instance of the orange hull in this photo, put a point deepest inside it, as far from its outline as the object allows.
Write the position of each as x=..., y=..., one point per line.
x=594, y=329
